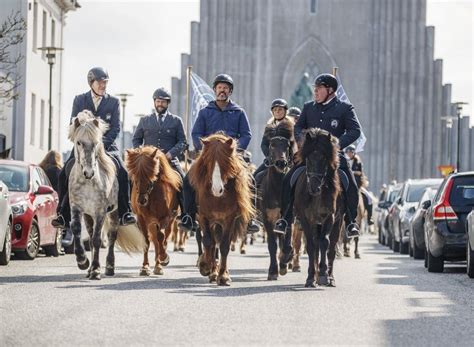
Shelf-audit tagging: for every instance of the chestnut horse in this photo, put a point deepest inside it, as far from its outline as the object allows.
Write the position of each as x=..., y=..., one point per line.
x=154, y=201
x=223, y=194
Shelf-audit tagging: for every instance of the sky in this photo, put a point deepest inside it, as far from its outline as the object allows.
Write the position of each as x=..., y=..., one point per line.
x=140, y=44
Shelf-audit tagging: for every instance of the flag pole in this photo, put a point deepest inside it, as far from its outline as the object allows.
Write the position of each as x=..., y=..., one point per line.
x=186, y=120
x=334, y=71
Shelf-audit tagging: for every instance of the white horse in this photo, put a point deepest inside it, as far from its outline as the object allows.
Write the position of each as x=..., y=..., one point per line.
x=93, y=195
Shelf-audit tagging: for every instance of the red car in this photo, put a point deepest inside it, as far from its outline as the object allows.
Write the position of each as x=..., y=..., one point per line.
x=33, y=202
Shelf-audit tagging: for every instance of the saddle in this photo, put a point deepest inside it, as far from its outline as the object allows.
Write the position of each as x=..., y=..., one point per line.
x=342, y=177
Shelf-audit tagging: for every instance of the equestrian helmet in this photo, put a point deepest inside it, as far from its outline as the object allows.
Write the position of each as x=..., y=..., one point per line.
x=279, y=103
x=326, y=80
x=97, y=74
x=162, y=93
x=294, y=111
x=350, y=148
x=223, y=78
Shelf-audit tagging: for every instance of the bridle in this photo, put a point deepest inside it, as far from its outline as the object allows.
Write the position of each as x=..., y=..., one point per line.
x=280, y=164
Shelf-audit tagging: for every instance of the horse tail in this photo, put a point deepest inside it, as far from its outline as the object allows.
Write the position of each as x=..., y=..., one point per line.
x=129, y=238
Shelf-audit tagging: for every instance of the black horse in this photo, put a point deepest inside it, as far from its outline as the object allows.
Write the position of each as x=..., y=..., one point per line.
x=319, y=205
x=281, y=146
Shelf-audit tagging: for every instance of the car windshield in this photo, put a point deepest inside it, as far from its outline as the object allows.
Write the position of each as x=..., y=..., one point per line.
x=15, y=177
x=462, y=193
x=393, y=195
x=416, y=191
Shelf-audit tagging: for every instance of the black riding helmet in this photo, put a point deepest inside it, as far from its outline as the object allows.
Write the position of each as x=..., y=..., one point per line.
x=223, y=78
x=279, y=103
x=294, y=111
x=162, y=93
x=326, y=80
x=97, y=74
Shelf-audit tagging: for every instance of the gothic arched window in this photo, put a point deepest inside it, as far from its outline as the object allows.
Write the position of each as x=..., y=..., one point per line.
x=313, y=6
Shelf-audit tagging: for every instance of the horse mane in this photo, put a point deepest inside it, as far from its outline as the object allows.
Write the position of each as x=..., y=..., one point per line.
x=85, y=126
x=284, y=128
x=149, y=162
x=223, y=149
x=319, y=140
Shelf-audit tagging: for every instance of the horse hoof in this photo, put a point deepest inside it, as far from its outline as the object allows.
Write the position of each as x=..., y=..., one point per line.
x=181, y=249
x=347, y=254
x=212, y=278
x=242, y=251
x=158, y=271
x=296, y=268
x=204, y=271
x=109, y=271
x=323, y=280
x=95, y=275
x=290, y=266
x=357, y=256
x=166, y=261
x=332, y=282
x=283, y=270
x=232, y=248
x=223, y=282
x=175, y=249
x=310, y=284
x=272, y=277
x=84, y=265
x=144, y=271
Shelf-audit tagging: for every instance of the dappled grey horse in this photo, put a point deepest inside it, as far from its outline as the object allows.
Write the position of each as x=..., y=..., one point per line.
x=93, y=196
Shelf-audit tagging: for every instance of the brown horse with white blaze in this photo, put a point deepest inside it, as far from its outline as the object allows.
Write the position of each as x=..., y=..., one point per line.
x=154, y=200
x=222, y=184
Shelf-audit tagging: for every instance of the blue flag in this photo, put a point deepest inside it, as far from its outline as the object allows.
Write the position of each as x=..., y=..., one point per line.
x=200, y=95
x=341, y=94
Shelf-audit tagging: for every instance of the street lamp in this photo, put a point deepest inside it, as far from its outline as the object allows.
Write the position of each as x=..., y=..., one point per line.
x=449, y=126
x=459, y=116
x=123, y=99
x=51, y=55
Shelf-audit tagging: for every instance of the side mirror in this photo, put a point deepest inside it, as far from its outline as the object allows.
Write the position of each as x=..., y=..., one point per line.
x=399, y=201
x=44, y=190
x=426, y=204
x=411, y=209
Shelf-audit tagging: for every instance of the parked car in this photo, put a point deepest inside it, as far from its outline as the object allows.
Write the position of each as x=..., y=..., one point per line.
x=446, y=221
x=33, y=202
x=386, y=200
x=417, y=232
x=470, y=244
x=6, y=219
x=404, y=208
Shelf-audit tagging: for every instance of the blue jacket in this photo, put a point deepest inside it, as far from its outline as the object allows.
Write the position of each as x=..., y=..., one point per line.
x=108, y=111
x=337, y=117
x=169, y=137
x=232, y=121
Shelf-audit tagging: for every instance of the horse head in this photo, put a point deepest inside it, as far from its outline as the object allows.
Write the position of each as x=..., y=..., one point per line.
x=143, y=165
x=280, y=139
x=319, y=152
x=86, y=133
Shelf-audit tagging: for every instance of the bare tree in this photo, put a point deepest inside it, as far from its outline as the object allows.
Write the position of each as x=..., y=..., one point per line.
x=12, y=33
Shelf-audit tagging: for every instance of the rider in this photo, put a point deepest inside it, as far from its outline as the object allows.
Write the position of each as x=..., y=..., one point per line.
x=163, y=130
x=107, y=108
x=279, y=112
x=338, y=118
x=219, y=115
x=355, y=163
x=295, y=113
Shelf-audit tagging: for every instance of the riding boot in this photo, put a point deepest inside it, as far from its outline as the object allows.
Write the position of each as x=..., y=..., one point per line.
x=351, y=199
x=283, y=225
x=253, y=226
x=63, y=210
x=124, y=209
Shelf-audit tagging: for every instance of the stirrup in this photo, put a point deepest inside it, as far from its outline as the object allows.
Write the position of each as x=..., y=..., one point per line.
x=352, y=230
x=280, y=226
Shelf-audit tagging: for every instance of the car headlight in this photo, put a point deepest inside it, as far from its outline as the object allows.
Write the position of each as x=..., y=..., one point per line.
x=19, y=208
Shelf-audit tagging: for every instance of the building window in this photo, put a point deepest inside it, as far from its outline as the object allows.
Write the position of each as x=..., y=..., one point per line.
x=53, y=33
x=43, y=40
x=42, y=125
x=33, y=119
x=313, y=6
x=35, y=26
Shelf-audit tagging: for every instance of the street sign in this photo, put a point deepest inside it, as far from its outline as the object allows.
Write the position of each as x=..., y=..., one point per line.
x=445, y=169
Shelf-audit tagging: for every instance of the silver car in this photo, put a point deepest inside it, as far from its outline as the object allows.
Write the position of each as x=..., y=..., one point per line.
x=6, y=218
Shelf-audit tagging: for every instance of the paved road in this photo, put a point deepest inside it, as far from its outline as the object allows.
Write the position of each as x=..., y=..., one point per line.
x=382, y=299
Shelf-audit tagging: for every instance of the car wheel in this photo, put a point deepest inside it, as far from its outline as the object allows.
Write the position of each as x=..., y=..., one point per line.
x=470, y=259
x=33, y=243
x=435, y=264
x=418, y=252
x=403, y=247
x=55, y=249
x=426, y=259
x=410, y=249
x=6, y=252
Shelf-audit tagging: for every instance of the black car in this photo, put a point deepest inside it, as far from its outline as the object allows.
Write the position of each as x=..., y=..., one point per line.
x=445, y=223
x=470, y=244
x=417, y=224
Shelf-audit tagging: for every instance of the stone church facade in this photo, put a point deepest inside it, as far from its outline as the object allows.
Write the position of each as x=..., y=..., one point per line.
x=384, y=54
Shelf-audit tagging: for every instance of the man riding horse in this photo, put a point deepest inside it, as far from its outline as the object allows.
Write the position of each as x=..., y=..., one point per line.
x=107, y=108
x=329, y=113
x=219, y=115
x=165, y=131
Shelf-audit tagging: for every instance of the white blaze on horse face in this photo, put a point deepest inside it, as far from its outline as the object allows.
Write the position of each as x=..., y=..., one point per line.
x=217, y=184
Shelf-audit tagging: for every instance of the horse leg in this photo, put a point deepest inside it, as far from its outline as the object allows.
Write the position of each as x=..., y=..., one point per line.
x=356, y=248
x=310, y=249
x=297, y=235
x=182, y=236
x=333, y=242
x=164, y=257
x=199, y=244
x=145, y=270
x=111, y=237
x=96, y=243
x=154, y=233
x=175, y=238
x=89, y=223
x=242, y=245
x=324, y=246
x=81, y=257
x=208, y=256
x=272, y=250
x=223, y=278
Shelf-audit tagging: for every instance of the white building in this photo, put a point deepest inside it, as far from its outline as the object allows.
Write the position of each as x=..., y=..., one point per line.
x=28, y=132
